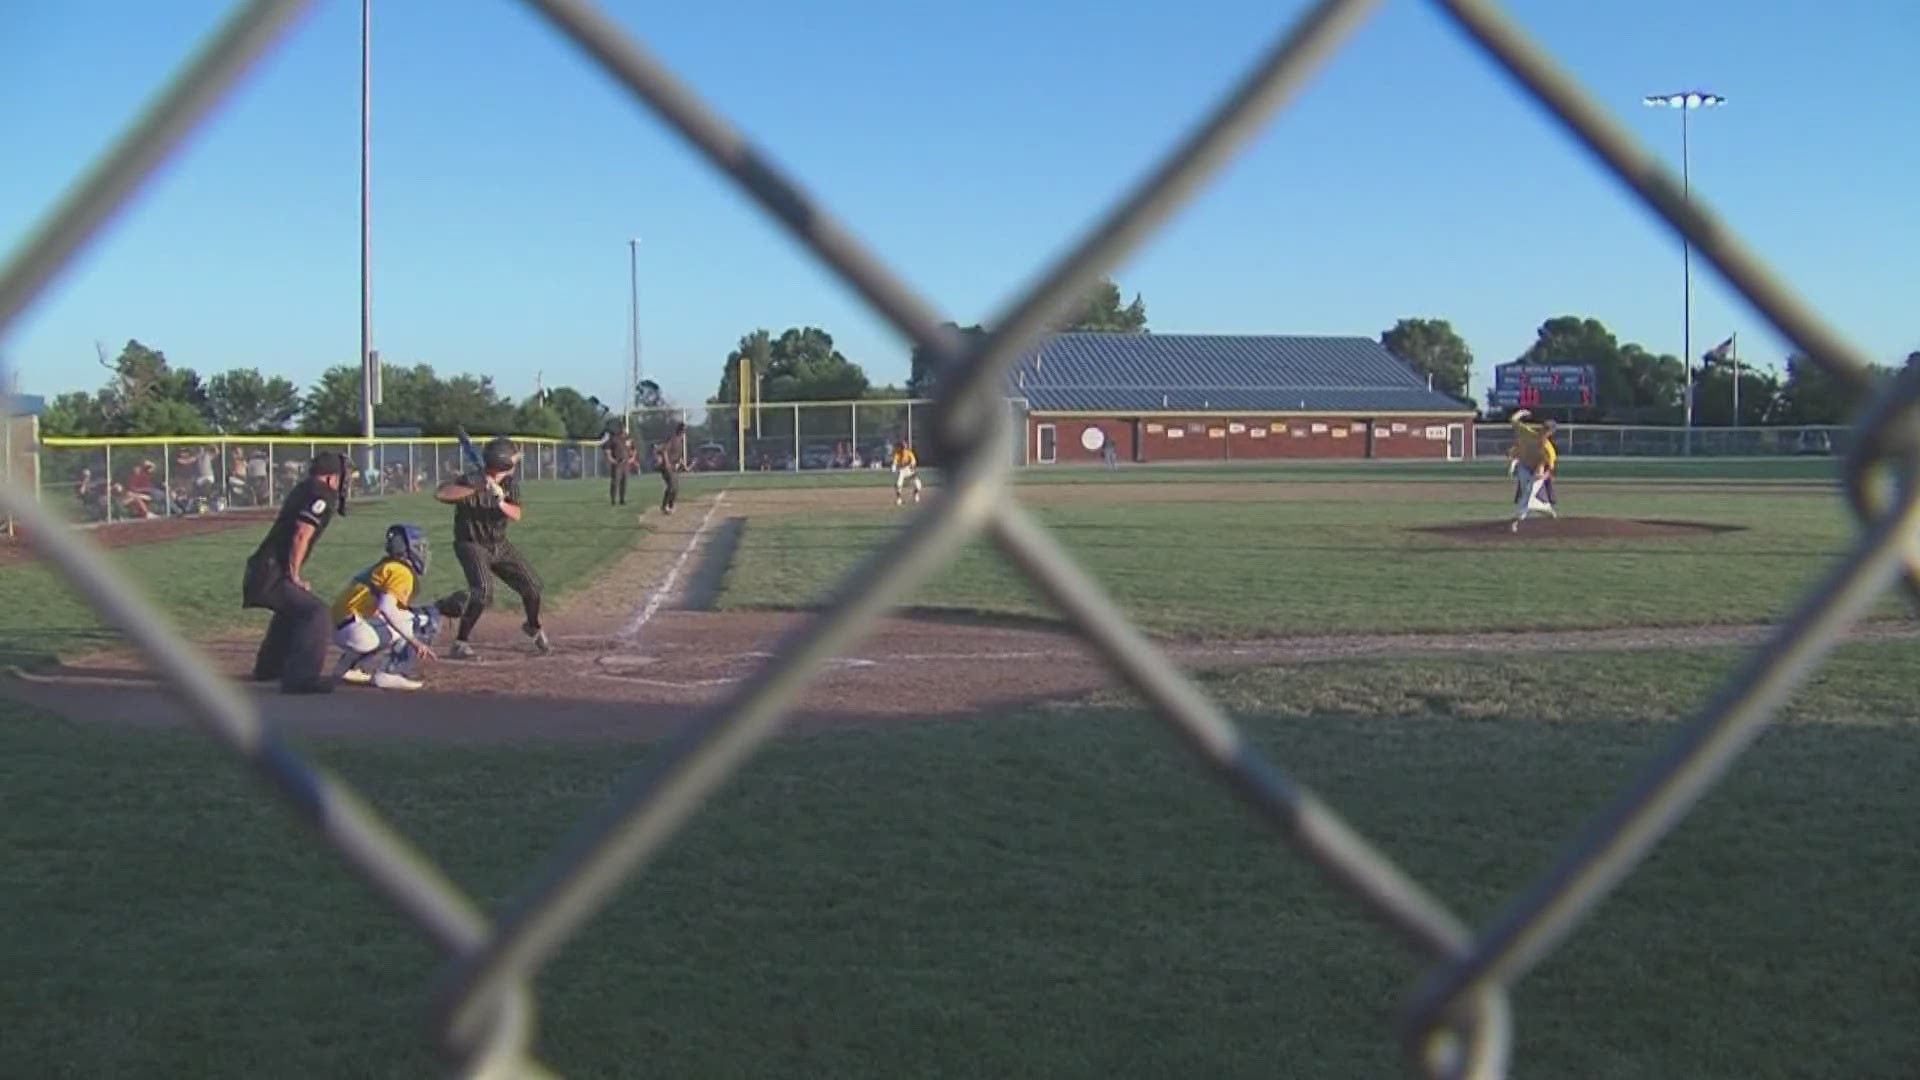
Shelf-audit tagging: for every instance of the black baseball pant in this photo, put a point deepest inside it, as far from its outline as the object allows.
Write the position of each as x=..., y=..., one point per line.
x=672, y=495
x=617, y=484
x=295, y=648
x=482, y=563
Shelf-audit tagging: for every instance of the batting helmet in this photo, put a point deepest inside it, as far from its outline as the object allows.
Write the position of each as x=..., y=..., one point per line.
x=500, y=453
x=408, y=543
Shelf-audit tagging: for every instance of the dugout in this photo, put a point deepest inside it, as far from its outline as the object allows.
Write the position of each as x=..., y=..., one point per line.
x=1205, y=397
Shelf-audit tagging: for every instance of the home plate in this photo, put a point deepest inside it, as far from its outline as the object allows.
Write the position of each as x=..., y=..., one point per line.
x=626, y=661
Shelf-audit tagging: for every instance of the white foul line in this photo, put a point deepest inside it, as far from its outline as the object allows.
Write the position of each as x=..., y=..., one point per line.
x=665, y=588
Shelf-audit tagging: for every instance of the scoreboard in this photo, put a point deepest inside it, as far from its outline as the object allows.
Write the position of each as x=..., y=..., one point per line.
x=1542, y=386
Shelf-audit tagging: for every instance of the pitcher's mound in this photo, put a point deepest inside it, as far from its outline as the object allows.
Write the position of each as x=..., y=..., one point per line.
x=1579, y=528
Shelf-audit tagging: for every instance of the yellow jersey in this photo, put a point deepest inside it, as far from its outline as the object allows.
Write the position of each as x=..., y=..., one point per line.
x=903, y=458
x=362, y=595
x=1532, y=447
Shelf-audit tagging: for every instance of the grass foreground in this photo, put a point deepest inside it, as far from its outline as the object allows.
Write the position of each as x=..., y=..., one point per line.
x=1059, y=893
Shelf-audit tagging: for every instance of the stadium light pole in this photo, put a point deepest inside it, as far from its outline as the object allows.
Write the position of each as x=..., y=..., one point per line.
x=633, y=330
x=369, y=370
x=1685, y=103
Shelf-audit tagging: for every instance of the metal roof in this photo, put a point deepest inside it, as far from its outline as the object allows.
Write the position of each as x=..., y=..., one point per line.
x=1107, y=372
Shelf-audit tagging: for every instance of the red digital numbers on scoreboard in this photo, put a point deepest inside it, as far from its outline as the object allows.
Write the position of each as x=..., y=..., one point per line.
x=1529, y=396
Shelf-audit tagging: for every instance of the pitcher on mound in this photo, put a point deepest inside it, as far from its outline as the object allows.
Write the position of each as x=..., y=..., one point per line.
x=1530, y=461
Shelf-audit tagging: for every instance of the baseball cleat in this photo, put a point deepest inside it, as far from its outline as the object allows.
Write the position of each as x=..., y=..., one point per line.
x=393, y=680
x=355, y=677
x=540, y=642
x=462, y=651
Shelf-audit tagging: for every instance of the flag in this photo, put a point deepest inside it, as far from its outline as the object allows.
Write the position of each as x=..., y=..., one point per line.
x=1717, y=354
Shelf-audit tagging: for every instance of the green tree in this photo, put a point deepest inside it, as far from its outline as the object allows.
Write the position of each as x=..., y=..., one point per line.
x=242, y=401
x=758, y=346
x=584, y=417
x=141, y=381
x=923, y=376
x=1809, y=395
x=802, y=365
x=412, y=397
x=1101, y=310
x=76, y=414
x=1431, y=347
x=536, y=417
x=166, y=416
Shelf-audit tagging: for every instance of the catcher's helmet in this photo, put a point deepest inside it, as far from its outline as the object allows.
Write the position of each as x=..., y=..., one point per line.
x=500, y=453
x=408, y=543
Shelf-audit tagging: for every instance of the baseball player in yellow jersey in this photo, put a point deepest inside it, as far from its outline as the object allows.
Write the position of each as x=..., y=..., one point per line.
x=905, y=467
x=1531, y=459
x=373, y=620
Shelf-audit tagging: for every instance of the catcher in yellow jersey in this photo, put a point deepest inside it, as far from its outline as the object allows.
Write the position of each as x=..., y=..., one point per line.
x=1531, y=461
x=373, y=620
x=905, y=467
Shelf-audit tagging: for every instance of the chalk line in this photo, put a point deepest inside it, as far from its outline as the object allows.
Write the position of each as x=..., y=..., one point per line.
x=665, y=588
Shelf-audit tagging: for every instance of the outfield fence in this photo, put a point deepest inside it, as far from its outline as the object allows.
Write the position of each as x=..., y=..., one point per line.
x=1458, y=1020
x=1491, y=440
x=800, y=436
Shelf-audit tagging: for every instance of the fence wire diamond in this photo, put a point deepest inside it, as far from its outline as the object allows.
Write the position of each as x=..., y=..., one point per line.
x=1457, y=1023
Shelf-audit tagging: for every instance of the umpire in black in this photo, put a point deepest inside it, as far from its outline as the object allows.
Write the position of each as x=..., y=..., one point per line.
x=484, y=504
x=620, y=456
x=295, y=648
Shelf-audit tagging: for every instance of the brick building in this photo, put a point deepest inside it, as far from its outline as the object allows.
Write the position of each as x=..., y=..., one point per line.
x=1202, y=397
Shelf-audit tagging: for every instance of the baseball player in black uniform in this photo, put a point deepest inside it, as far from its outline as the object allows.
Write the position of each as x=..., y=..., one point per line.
x=295, y=648
x=484, y=504
x=673, y=460
x=620, y=458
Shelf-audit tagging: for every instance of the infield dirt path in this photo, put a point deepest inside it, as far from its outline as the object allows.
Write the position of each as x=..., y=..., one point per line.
x=632, y=663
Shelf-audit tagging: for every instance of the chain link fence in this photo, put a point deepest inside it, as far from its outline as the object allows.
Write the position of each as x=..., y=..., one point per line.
x=802, y=436
x=1457, y=1021
x=110, y=480
x=1491, y=440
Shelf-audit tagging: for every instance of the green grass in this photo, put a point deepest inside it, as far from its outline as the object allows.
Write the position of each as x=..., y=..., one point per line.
x=568, y=531
x=1060, y=893
x=1256, y=568
x=1812, y=470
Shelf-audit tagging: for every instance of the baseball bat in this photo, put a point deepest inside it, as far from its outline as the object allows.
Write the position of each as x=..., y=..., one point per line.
x=467, y=448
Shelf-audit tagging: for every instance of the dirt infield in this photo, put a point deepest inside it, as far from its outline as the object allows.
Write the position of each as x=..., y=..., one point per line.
x=1576, y=528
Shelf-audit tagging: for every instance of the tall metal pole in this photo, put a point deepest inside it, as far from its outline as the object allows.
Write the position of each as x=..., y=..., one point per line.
x=1686, y=258
x=1686, y=102
x=633, y=331
x=368, y=375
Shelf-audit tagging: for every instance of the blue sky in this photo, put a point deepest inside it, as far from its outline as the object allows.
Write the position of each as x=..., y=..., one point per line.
x=966, y=144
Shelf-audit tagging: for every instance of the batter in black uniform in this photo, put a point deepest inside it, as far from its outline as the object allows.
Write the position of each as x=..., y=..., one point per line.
x=619, y=463
x=484, y=504
x=295, y=649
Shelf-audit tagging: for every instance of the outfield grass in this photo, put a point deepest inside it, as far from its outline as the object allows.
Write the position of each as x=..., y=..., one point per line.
x=1052, y=894
x=1253, y=568
x=568, y=533
x=1810, y=470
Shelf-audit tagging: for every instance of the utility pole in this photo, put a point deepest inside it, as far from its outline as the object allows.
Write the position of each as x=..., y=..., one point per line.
x=369, y=363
